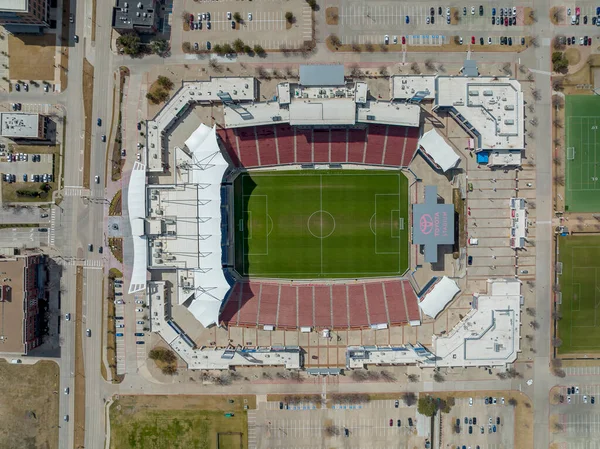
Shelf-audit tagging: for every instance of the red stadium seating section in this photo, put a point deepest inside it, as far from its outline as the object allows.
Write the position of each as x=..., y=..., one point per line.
x=342, y=305
x=282, y=144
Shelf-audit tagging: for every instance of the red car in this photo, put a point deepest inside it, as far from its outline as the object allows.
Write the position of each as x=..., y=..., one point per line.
x=391, y=422
x=191, y=19
x=473, y=39
x=577, y=11
x=506, y=21
x=403, y=40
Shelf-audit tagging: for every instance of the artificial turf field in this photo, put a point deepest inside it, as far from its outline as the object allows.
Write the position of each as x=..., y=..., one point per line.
x=579, y=328
x=321, y=224
x=582, y=119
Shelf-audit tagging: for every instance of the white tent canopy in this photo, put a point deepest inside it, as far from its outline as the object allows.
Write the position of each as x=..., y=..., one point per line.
x=207, y=168
x=439, y=296
x=136, y=207
x=439, y=150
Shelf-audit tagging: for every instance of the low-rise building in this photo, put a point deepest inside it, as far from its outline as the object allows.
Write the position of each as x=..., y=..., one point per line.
x=22, y=287
x=23, y=126
x=135, y=15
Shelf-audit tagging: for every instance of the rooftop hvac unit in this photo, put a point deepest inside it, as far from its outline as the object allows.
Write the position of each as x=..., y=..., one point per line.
x=140, y=5
x=159, y=261
x=137, y=14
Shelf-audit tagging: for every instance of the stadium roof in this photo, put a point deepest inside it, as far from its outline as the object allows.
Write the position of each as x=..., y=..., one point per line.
x=136, y=205
x=438, y=150
x=207, y=168
x=438, y=296
x=322, y=75
x=433, y=224
x=341, y=111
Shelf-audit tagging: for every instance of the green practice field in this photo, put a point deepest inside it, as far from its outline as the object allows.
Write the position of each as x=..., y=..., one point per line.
x=582, y=153
x=579, y=328
x=321, y=224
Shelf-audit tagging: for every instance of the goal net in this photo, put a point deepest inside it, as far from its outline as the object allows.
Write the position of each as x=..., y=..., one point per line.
x=570, y=153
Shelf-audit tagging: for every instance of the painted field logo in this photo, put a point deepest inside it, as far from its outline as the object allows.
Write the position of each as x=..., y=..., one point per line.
x=426, y=224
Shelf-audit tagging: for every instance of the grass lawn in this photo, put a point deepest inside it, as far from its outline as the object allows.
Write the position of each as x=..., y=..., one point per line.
x=29, y=411
x=579, y=328
x=178, y=422
x=321, y=224
x=31, y=57
x=582, y=153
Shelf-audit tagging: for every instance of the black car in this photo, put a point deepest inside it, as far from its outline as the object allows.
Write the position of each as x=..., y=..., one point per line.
x=498, y=420
x=593, y=400
x=510, y=41
x=432, y=20
x=457, y=422
x=486, y=399
x=281, y=406
x=399, y=423
x=514, y=20
x=347, y=432
x=440, y=10
x=470, y=420
x=493, y=21
x=481, y=10
x=410, y=422
x=474, y=421
x=233, y=25
x=470, y=430
x=432, y=11
x=480, y=41
x=585, y=20
x=522, y=41
x=470, y=260
x=466, y=420
x=594, y=19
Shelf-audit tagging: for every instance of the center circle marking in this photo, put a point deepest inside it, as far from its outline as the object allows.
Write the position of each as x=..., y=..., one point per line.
x=321, y=224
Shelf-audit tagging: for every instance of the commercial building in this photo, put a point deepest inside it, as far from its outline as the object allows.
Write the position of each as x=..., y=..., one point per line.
x=24, y=16
x=135, y=15
x=22, y=287
x=24, y=126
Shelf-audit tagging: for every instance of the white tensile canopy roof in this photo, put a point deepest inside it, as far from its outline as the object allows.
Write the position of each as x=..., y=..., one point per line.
x=207, y=168
x=439, y=296
x=438, y=149
x=136, y=206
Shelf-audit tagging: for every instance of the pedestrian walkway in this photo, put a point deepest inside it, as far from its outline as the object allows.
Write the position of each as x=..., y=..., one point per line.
x=52, y=233
x=251, y=429
x=75, y=191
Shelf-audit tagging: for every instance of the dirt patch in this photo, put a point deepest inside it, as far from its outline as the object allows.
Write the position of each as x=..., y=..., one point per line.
x=573, y=56
x=93, y=20
x=29, y=412
x=332, y=15
x=79, y=409
x=115, y=207
x=557, y=14
x=31, y=57
x=116, y=248
x=528, y=16
x=88, y=89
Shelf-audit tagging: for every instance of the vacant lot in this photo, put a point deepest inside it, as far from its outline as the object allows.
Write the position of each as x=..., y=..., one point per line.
x=28, y=406
x=178, y=422
x=31, y=57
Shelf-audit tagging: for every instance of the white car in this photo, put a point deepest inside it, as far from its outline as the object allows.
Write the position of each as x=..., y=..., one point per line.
x=460, y=40
x=120, y=325
x=97, y=179
x=140, y=322
x=580, y=41
x=228, y=15
x=514, y=10
x=395, y=39
x=68, y=317
x=139, y=301
x=568, y=399
x=67, y=390
x=139, y=310
x=576, y=390
x=119, y=301
x=386, y=39
x=470, y=402
x=472, y=10
x=502, y=401
x=200, y=16
x=427, y=20
x=138, y=157
x=448, y=12
x=568, y=11
x=585, y=399
x=249, y=17
x=489, y=41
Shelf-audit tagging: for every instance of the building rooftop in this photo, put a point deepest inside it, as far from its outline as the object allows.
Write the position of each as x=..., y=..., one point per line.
x=387, y=113
x=322, y=75
x=134, y=13
x=11, y=306
x=17, y=124
x=405, y=87
x=14, y=5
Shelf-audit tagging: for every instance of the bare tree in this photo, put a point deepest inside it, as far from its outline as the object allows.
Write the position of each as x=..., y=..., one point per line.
x=557, y=315
x=335, y=40
x=557, y=342
x=557, y=160
x=387, y=376
x=530, y=134
x=331, y=430
x=536, y=94
x=530, y=311
x=429, y=64
x=383, y=71
x=530, y=76
x=557, y=123
x=355, y=47
x=534, y=325
x=556, y=363
x=522, y=68
x=414, y=67
x=529, y=338
x=507, y=68
x=531, y=107
x=438, y=377
x=359, y=375
x=413, y=378
x=409, y=398
x=513, y=402
x=370, y=48
x=557, y=426
x=534, y=41
x=533, y=121
x=557, y=85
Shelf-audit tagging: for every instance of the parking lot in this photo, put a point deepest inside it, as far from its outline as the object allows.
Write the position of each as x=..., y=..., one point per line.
x=365, y=23
x=27, y=165
x=489, y=417
x=368, y=425
x=262, y=23
x=130, y=329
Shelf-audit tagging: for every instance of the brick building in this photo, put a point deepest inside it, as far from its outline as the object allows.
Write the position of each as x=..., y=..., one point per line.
x=25, y=16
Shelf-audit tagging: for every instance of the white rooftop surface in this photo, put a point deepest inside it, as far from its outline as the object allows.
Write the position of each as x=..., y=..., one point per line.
x=262, y=114
x=385, y=356
x=404, y=87
x=136, y=206
x=19, y=124
x=489, y=335
x=389, y=113
x=504, y=158
x=283, y=93
x=338, y=111
x=518, y=217
x=362, y=91
x=493, y=106
x=439, y=150
x=439, y=296
x=191, y=215
x=14, y=5
x=192, y=92
x=204, y=358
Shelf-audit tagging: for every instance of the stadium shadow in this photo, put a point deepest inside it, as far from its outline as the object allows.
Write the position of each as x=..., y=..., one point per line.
x=242, y=265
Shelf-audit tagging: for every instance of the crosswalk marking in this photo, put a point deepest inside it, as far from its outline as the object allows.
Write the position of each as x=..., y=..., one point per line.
x=52, y=226
x=75, y=191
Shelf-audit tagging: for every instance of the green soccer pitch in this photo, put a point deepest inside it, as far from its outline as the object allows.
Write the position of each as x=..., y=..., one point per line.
x=579, y=328
x=321, y=224
x=582, y=148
